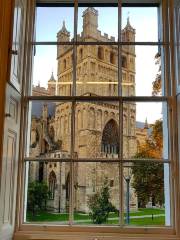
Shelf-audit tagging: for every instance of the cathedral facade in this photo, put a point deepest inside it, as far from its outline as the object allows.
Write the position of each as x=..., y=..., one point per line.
x=96, y=123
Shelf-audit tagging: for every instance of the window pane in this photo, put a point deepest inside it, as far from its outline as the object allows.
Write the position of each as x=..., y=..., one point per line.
x=96, y=193
x=142, y=73
x=96, y=130
x=140, y=24
x=50, y=130
x=48, y=192
x=146, y=194
x=94, y=25
x=53, y=71
x=54, y=23
x=97, y=70
x=145, y=130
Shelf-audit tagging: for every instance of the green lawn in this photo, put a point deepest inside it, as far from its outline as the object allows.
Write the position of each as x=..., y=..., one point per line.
x=80, y=218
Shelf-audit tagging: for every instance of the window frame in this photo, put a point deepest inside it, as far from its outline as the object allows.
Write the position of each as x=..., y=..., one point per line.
x=170, y=98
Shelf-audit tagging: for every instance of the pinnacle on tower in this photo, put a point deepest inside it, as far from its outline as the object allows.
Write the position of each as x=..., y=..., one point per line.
x=128, y=33
x=52, y=77
x=128, y=25
x=63, y=34
x=64, y=29
x=146, y=124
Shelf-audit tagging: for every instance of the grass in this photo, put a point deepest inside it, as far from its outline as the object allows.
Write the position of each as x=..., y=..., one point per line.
x=80, y=218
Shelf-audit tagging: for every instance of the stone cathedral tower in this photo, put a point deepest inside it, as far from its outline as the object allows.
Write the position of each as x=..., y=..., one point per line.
x=96, y=123
x=97, y=74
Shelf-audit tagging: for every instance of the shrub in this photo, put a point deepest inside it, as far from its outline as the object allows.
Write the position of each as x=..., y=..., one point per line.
x=100, y=205
x=38, y=195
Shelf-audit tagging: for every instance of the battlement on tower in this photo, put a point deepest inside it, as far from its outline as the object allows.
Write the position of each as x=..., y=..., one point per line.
x=91, y=32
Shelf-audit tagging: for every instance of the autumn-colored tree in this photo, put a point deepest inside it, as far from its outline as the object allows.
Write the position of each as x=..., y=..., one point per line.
x=157, y=84
x=152, y=148
x=148, y=177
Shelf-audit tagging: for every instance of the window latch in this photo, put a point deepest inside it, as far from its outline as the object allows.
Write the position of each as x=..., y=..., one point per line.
x=7, y=115
x=14, y=52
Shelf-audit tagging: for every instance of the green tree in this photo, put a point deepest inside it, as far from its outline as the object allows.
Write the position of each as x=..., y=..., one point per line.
x=38, y=195
x=148, y=177
x=148, y=183
x=100, y=205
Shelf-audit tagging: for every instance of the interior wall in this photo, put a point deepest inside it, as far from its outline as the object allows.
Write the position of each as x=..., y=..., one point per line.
x=5, y=30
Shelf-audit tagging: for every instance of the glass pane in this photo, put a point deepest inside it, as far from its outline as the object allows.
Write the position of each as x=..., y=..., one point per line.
x=50, y=130
x=94, y=25
x=47, y=192
x=96, y=130
x=140, y=24
x=96, y=193
x=146, y=194
x=53, y=71
x=54, y=23
x=97, y=70
x=142, y=71
x=145, y=130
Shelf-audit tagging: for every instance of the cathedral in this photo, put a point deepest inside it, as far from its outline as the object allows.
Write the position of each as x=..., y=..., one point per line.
x=96, y=122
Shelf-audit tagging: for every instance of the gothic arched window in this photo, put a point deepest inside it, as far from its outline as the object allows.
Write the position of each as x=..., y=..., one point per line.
x=64, y=63
x=52, y=184
x=110, y=138
x=100, y=53
x=80, y=54
x=124, y=62
x=92, y=118
x=112, y=58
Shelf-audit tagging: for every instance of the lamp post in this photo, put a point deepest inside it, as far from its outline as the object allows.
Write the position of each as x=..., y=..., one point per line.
x=127, y=179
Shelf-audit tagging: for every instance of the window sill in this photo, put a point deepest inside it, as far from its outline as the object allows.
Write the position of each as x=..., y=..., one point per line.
x=39, y=232
x=89, y=236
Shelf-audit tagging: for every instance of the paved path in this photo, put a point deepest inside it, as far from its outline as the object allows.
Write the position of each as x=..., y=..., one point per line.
x=131, y=217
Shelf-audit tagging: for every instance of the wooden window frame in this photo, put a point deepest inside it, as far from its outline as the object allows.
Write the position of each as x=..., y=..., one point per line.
x=25, y=230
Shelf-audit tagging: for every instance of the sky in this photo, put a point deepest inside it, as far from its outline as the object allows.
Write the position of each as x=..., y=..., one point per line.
x=144, y=20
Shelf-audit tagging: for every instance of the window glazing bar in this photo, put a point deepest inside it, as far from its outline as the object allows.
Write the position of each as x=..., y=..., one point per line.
x=159, y=43
x=98, y=3
x=99, y=98
x=120, y=155
x=88, y=160
x=71, y=208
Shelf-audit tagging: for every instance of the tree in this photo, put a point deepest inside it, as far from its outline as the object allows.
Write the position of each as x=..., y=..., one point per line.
x=38, y=195
x=157, y=84
x=148, y=176
x=100, y=205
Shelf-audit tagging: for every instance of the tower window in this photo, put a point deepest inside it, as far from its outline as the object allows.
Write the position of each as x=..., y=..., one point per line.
x=80, y=54
x=64, y=64
x=112, y=58
x=124, y=62
x=100, y=53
